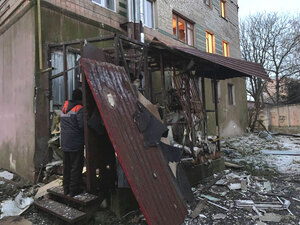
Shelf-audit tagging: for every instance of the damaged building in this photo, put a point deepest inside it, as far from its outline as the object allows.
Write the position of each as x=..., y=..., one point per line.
x=180, y=60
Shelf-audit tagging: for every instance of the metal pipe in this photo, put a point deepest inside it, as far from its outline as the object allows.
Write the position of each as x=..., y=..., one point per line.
x=163, y=87
x=65, y=72
x=216, y=113
x=204, y=106
x=40, y=34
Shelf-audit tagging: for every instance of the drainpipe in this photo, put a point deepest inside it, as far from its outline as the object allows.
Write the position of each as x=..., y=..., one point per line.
x=142, y=15
x=40, y=34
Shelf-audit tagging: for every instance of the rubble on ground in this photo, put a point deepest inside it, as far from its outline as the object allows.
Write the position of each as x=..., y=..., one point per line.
x=257, y=189
x=250, y=151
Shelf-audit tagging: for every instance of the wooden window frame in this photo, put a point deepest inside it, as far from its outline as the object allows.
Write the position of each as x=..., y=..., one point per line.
x=213, y=42
x=227, y=48
x=223, y=12
x=186, y=22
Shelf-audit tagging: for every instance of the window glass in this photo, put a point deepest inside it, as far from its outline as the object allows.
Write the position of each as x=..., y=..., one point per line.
x=225, y=49
x=210, y=42
x=110, y=4
x=175, y=25
x=190, y=34
x=223, y=8
x=181, y=29
x=148, y=13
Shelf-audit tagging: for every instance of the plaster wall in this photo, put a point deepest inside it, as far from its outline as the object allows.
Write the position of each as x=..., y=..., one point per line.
x=17, y=68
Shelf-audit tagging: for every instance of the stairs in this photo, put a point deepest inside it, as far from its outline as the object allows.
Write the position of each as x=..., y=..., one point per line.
x=77, y=209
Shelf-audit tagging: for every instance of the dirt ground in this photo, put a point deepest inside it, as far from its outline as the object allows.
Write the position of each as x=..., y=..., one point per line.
x=262, y=178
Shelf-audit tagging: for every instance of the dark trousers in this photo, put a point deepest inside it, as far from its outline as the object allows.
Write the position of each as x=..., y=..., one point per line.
x=73, y=165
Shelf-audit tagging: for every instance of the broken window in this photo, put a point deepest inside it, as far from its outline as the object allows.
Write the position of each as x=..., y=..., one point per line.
x=183, y=29
x=148, y=16
x=223, y=8
x=225, y=48
x=109, y=4
x=58, y=97
x=210, y=42
x=231, y=94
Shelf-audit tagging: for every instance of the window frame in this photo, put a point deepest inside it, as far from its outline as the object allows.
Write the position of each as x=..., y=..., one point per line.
x=213, y=42
x=226, y=43
x=103, y=5
x=152, y=13
x=223, y=12
x=186, y=28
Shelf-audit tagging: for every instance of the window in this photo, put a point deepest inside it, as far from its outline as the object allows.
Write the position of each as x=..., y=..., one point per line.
x=231, y=94
x=223, y=8
x=225, y=48
x=148, y=15
x=110, y=4
x=210, y=42
x=213, y=91
x=183, y=29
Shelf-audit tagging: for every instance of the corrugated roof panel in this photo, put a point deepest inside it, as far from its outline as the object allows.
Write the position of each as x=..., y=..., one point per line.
x=145, y=168
x=247, y=68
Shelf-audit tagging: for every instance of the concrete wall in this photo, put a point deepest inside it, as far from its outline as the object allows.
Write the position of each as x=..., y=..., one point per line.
x=285, y=119
x=17, y=68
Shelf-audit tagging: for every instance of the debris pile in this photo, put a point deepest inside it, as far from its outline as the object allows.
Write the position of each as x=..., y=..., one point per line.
x=241, y=198
x=257, y=152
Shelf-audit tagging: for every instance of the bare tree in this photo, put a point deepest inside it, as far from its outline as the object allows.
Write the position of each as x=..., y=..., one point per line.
x=273, y=41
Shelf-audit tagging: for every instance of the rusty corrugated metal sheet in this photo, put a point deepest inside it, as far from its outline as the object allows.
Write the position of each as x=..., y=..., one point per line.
x=247, y=68
x=145, y=169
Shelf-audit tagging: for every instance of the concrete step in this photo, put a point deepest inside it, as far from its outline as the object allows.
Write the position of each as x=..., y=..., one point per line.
x=84, y=199
x=60, y=210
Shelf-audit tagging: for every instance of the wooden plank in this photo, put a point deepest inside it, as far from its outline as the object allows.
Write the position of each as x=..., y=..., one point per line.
x=82, y=199
x=60, y=210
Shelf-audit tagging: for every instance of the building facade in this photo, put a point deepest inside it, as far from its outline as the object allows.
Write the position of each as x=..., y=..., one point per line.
x=28, y=26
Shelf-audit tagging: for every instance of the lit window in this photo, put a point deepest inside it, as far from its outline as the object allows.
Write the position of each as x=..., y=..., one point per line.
x=110, y=4
x=226, y=49
x=223, y=8
x=183, y=30
x=230, y=94
x=148, y=19
x=210, y=42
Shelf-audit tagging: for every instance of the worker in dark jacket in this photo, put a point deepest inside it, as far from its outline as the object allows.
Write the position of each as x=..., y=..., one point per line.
x=72, y=143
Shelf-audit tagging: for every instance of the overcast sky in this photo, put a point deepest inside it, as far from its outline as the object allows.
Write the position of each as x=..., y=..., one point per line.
x=247, y=7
